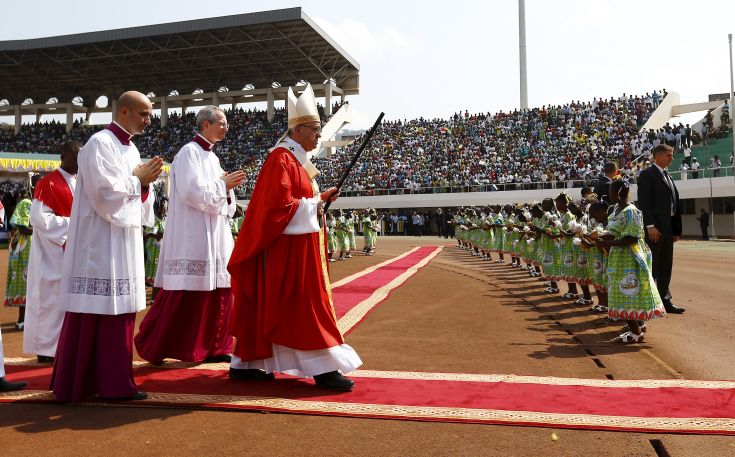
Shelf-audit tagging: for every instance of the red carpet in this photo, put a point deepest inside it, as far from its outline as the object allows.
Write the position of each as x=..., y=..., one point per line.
x=670, y=406
x=355, y=296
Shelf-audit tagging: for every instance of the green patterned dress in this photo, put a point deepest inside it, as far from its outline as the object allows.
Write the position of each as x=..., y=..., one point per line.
x=568, y=260
x=597, y=261
x=332, y=242
x=153, y=249
x=489, y=232
x=551, y=251
x=582, y=271
x=19, y=248
x=507, y=234
x=527, y=248
x=370, y=232
x=343, y=239
x=632, y=294
x=499, y=233
x=350, y=230
x=460, y=232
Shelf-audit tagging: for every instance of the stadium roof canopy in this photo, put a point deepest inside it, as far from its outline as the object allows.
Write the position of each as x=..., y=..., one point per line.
x=254, y=51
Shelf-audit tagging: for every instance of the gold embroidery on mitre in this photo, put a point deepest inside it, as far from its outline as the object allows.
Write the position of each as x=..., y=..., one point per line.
x=302, y=120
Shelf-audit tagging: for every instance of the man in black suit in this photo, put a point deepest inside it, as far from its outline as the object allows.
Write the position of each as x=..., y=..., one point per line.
x=704, y=223
x=658, y=200
x=610, y=170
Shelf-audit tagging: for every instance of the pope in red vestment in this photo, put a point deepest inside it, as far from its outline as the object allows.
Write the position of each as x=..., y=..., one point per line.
x=283, y=316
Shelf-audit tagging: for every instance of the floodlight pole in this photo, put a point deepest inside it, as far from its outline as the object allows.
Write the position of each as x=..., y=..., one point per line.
x=732, y=96
x=522, y=52
x=731, y=111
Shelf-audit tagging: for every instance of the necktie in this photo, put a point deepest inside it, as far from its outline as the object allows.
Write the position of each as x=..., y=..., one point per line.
x=671, y=189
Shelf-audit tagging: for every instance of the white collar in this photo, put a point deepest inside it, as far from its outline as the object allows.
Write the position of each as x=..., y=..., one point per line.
x=68, y=176
x=659, y=168
x=301, y=155
x=71, y=180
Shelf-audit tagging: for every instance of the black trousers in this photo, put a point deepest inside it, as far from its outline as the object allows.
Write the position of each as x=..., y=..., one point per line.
x=663, y=258
x=705, y=235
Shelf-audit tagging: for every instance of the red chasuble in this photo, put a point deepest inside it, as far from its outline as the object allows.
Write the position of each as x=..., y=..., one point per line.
x=53, y=191
x=280, y=282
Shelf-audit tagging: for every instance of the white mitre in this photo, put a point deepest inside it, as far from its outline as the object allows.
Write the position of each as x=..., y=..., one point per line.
x=303, y=109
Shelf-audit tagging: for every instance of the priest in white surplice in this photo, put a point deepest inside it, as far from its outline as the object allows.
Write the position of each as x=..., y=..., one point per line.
x=190, y=317
x=50, y=211
x=103, y=279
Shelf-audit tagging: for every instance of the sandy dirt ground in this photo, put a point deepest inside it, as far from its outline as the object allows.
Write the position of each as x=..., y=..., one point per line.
x=458, y=314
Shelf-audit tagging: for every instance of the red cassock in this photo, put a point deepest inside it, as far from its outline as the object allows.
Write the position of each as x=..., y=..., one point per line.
x=280, y=282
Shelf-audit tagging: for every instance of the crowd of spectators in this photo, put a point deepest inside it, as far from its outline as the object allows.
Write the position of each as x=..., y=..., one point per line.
x=550, y=146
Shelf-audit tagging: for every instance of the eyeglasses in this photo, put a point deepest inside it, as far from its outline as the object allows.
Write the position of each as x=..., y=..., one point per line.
x=222, y=123
x=313, y=129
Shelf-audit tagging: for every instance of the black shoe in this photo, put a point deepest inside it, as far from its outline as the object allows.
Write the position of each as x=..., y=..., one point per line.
x=44, y=359
x=250, y=374
x=139, y=395
x=672, y=309
x=218, y=358
x=334, y=380
x=7, y=386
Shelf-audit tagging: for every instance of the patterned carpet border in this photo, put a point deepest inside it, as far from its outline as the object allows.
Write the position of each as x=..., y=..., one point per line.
x=466, y=377
x=696, y=425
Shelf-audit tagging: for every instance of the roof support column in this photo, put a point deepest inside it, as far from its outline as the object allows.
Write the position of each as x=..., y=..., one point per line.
x=270, y=110
x=164, y=111
x=215, y=99
x=328, y=98
x=69, y=117
x=113, y=107
x=38, y=116
x=18, y=119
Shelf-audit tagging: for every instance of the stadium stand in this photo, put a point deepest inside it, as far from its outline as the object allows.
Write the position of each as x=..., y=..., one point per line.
x=550, y=146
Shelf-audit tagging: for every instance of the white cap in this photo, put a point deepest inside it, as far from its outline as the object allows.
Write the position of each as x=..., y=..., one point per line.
x=303, y=109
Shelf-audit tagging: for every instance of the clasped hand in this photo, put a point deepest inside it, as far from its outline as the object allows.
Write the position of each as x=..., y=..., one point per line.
x=149, y=171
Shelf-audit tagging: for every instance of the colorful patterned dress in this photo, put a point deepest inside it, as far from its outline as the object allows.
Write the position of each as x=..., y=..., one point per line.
x=19, y=248
x=632, y=294
x=153, y=249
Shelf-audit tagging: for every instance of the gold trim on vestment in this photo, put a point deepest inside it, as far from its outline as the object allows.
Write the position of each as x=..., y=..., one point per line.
x=325, y=274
